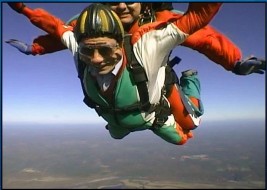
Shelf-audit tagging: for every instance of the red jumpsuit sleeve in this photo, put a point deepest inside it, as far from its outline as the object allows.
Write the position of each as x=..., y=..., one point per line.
x=52, y=25
x=216, y=46
x=197, y=16
x=46, y=21
x=208, y=41
x=46, y=44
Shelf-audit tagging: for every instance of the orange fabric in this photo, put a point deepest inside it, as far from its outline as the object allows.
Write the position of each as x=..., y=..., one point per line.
x=167, y=15
x=46, y=44
x=207, y=40
x=46, y=21
x=144, y=29
x=184, y=134
x=37, y=49
x=179, y=111
x=194, y=101
x=134, y=28
x=18, y=7
x=73, y=23
x=198, y=15
x=216, y=46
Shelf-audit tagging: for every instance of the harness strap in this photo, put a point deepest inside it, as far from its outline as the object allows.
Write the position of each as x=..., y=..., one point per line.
x=87, y=100
x=138, y=74
x=175, y=61
x=162, y=111
x=135, y=107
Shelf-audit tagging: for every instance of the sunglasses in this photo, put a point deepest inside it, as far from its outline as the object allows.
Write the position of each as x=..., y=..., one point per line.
x=105, y=50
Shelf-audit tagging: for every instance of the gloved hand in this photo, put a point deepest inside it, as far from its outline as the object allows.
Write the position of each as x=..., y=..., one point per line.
x=250, y=65
x=21, y=46
x=18, y=7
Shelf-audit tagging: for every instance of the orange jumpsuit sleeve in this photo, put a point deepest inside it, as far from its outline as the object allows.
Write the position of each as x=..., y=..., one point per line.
x=46, y=44
x=208, y=41
x=197, y=16
x=46, y=21
x=52, y=25
x=216, y=46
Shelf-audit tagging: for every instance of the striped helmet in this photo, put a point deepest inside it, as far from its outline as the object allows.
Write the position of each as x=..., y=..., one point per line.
x=98, y=20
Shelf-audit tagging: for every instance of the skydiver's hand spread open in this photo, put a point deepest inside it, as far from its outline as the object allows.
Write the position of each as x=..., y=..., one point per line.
x=249, y=66
x=21, y=46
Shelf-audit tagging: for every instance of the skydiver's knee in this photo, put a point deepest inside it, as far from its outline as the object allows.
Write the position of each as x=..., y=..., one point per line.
x=117, y=133
x=174, y=134
x=117, y=137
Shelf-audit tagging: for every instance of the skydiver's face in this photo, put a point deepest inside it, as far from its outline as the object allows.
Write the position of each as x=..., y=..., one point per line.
x=102, y=53
x=127, y=12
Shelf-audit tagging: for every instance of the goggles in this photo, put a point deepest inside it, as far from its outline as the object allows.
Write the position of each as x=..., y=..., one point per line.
x=88, y=50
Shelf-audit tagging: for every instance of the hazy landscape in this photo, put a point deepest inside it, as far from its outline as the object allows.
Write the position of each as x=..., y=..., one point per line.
x=221, y=155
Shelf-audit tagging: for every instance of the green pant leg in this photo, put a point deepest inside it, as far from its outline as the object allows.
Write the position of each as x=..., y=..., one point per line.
x=168, y=133
x=117, y=132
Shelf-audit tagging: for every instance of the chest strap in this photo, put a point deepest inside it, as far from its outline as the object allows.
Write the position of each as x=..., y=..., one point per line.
x=138, y=74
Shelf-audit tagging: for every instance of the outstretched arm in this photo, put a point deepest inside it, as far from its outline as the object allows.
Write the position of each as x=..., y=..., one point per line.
x=42, y=44
x=41, y=19
x=197, y=16
x=215, y=45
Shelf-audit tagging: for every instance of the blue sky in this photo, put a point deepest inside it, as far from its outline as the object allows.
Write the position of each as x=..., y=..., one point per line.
x=45, y=89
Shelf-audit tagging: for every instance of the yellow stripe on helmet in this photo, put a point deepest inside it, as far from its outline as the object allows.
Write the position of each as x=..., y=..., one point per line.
x=104, y=20
x=82, y=23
